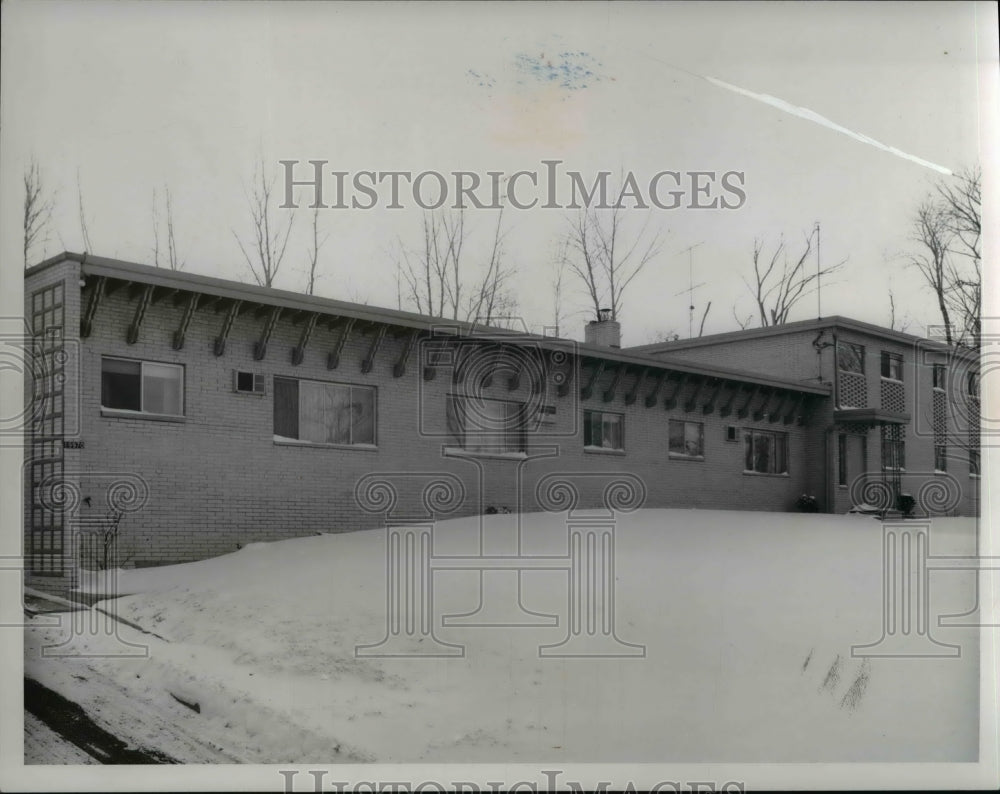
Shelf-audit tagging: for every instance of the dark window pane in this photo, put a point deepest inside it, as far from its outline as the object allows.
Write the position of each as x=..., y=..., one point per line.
x=121, y=384
x=244, y=381
x=286, y=407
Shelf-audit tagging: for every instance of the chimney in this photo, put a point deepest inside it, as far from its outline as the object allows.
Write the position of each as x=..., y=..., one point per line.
x=603, y=332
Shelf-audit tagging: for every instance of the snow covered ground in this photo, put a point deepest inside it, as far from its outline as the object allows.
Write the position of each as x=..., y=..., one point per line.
x=748, y=620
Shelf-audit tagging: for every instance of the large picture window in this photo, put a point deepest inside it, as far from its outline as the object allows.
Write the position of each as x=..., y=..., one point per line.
x=488, y=426
x=687, y=439
x=765, y=452
x=324, y=413
x=603, y=430
x=143, y=386
x=850, y=357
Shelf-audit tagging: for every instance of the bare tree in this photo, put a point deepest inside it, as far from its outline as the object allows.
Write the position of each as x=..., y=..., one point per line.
x=777, y=288
x=932, y=232
x=317, y=244
x=265, y=251
x=38, y=206
x=948, y=230
x=84, y=231
x=557, y=289
x=701, y=328
x=173, y=259
x=600, y=256
x=438, y=280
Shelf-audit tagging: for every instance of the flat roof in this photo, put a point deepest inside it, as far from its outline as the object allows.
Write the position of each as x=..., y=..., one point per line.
x=833, y=321
x=235, y=290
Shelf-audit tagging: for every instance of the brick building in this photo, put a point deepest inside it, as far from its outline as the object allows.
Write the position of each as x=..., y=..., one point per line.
x=197, y=415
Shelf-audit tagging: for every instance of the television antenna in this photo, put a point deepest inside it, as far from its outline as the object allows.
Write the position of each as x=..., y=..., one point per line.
x=691, y=286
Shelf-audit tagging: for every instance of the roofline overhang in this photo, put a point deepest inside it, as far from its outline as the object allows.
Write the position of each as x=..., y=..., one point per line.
x=97, y=266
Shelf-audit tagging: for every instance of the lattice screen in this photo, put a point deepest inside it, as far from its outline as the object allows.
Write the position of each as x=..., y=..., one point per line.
x=940, y=419
x=853, y=388
x=893, y=396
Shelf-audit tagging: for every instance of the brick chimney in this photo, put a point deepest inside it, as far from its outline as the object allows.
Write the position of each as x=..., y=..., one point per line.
x=603, y=332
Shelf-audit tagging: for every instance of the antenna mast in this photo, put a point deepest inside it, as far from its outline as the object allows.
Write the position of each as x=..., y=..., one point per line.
x=691, y=286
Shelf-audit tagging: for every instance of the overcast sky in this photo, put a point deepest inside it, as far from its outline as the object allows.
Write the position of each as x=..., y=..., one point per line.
x=134, y=97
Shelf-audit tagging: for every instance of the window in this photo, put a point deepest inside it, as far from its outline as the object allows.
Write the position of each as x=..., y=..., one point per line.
x=850, y=357
x=974, y=462
x=892, y=366
x=482, y=425
x=842, y=459
x=324, y=413
x=143, y=386
x=939, y=376
x=604, y=430
x=732, y=434
x=687, y=438
x=765, y=452
x=972, y=385
x=248, y=382
x=940, y=457
x=893, y=449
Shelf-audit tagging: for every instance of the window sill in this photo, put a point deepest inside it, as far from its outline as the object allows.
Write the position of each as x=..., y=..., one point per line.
x=749, y=473
x=282, y=441
x=974, y=476
x=891, y=380
x=122, y=413
x=940, y=389
x=604, y=451
x=681, y=456
x=459, y=452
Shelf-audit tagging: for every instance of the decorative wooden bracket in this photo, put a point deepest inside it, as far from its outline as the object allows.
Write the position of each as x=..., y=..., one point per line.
x=260, y=346
x=562, y=389
x=369, y=362
x=609, y=394
x=725, y=410
x=762, y=410
x=514, y=381
x=745, y=409
x=87, y=322
x=227, y=325
x=692, y=403
x=709, y=406
x=497, y=358
x=181, y=333
x=132, y=336
x=633, y=393
x=653, y=397
x=795, y=408
x=399, y=368
x=671, y=402
x=775, y=415
x=333, y=359
x=299, y=351
x=587, y=391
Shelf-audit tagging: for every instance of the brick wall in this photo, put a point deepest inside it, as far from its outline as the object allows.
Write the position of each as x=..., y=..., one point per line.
x=218, y=480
